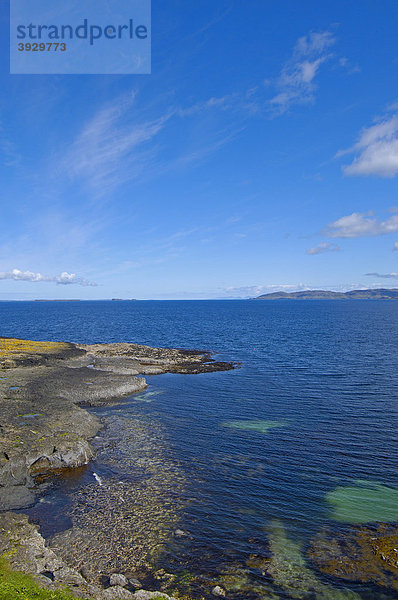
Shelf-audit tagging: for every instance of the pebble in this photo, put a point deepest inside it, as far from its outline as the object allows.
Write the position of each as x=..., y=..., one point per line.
x=218, y=591
x=179, y=533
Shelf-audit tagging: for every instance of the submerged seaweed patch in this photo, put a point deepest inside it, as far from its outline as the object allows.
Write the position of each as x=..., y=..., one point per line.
x=289, y=571
x=259, y=425
x=147, y=396
x=126, y=522
x=358, y=553
x=364, y=502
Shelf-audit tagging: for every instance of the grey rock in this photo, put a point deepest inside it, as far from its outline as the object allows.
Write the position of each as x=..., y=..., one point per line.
x=16, y=496
x=67, y=576
x=179, y=533
x=27, y=552
x=145, y=595
x=43, y=428
x=44, y=581
x=118, y=579
x=87, y=573
x=218, y=591
x=135, y=583
x=117, y=593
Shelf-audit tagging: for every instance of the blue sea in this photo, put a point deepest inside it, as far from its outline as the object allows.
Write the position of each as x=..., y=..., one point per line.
x=267, y=448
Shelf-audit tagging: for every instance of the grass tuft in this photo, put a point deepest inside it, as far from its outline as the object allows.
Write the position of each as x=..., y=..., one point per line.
x=18, y=586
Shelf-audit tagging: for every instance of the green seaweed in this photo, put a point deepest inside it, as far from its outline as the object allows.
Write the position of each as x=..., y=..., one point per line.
x=259, y=425
x=147, y=396
x=364, y=502
x=290, y=572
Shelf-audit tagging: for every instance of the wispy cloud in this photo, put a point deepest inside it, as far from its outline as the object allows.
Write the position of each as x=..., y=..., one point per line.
x=223, y=102
x=119, y=144
x=376, y=151
x=296, y=83
x=111, y=149
x=361, y=225
x=323, y=247
x=395, y=246
x=383, y=276
x=9, y=155
x=345, y=63
x=62, y=279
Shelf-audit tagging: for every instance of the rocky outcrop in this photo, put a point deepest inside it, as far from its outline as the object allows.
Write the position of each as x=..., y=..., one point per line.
x=163, y=360
x=43, y=389
x=26, y=551
x=45, y=430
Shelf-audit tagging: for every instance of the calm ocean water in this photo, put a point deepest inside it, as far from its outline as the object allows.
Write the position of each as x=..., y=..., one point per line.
x=312, y=409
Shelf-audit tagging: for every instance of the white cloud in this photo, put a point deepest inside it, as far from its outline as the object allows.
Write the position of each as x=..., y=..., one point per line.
x=395, y=246
x=63, y=279
x=223, y=102
x=385, y=276
x=296, y=81
x=119, y=143
x=346, y=64
x=323, y=247
x=111, y=149
x=376, y=151
x=361, y=225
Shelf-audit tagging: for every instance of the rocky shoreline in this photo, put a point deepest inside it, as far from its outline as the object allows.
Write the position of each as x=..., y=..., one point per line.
x=45, y=430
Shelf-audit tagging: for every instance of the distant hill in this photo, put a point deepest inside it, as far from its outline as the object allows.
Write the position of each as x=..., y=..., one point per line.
x=380, y=294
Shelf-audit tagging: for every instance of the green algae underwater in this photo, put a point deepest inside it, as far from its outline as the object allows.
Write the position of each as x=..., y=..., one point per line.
x=319, y=383
x=364, y=502
x=259, y=425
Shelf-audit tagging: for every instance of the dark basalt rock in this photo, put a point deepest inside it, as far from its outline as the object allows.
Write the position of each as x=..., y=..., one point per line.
x=43, y=428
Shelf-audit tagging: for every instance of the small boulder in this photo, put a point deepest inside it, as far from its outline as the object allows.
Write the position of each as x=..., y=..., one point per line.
x=118, y=579
x=87, y=573
x=145, y=595
x=179, y=533
x=135, y=583
x=218, y=591
x=67, y=576
x=116, y=593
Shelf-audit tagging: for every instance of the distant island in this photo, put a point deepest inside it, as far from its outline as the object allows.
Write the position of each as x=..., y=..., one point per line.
x=379, y=294
x=58, y=300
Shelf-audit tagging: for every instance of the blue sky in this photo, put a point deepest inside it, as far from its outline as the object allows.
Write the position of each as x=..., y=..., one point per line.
x=260, y=154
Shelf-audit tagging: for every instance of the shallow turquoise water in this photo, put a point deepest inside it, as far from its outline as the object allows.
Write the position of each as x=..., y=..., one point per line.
x=325, y=372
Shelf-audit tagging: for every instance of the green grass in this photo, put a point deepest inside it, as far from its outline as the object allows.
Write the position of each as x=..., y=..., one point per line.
x=18, y=586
